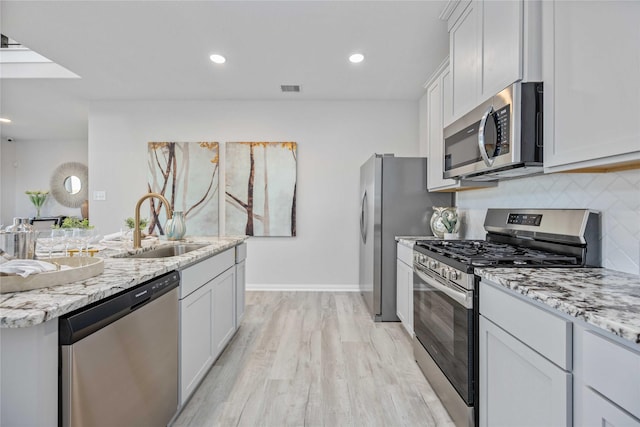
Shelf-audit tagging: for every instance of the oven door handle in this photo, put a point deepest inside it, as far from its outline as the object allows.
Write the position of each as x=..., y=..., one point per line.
x=482, y=143
x=464, y=298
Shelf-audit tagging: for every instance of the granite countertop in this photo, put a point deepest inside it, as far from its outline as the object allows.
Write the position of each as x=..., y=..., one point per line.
x=409, y=241
x=23, y=309
x=603, y=298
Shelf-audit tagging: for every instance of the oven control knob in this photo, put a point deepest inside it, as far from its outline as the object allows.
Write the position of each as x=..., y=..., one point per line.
x=433, y=264
x=453, y=275
x=443, y=272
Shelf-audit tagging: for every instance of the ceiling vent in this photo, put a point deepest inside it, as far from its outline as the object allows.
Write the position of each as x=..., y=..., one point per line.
x=290, y=88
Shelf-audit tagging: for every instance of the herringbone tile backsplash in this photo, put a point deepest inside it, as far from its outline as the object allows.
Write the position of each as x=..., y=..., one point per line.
x=615, y=195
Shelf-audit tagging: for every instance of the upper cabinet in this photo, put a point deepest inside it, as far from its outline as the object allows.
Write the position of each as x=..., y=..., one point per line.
x=591, y=66
x=436, y=113
x=431, y=119
x=492, y=44
x=465, y=54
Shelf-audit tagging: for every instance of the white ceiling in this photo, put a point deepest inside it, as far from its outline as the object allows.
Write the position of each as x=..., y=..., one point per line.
x=160, y=50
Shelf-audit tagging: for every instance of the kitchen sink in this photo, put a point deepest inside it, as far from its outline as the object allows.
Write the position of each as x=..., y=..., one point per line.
x=167, y=251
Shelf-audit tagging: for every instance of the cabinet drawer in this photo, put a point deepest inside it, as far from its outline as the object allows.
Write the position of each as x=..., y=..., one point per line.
x=198, y=274
x=598, y=411
x=405, y=254
x=545, y=332
x=241, y=252
x=612, y=370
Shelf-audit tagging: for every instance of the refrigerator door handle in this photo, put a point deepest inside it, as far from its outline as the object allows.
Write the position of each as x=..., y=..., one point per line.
x=363, y=218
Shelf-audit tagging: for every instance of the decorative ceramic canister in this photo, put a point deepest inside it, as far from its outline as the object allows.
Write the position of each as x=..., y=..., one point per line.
x=444, y=220
x=175, y=228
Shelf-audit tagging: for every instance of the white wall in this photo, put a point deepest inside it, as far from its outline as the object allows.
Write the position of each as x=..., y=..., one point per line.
x=615, y=195
x=334, y=139
x=28, y=165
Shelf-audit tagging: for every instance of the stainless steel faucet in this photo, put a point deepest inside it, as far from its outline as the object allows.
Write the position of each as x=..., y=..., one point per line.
x=137, y=237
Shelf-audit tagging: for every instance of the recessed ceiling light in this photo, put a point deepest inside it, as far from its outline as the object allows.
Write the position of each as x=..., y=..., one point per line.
x=3, y=120
x=218, y=59
x=356, y=58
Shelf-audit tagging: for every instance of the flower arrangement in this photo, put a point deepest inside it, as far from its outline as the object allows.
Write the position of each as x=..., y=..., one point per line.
x=38, y=198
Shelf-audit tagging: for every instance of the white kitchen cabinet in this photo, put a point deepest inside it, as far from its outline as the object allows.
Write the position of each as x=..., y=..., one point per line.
x=224, y=310
x=465, y=43
x=598, y=411
x=492, y=44
x=196, y=339
x=436, y=107
x=207, y=317
x=435, y=102
x=240, y=291
x=241, y=255
x=519, y=382
x=517, y=385
x=591, y=66
x=610, y=377
x=404, y=287
x=501, y=58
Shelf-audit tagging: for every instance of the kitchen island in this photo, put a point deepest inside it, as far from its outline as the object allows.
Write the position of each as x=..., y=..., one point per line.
x=29, y=325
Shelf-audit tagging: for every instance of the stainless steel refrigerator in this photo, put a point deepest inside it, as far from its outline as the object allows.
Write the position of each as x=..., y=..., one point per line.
x=394, y=202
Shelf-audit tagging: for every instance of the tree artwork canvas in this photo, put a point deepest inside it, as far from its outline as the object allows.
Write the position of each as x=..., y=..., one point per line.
x=186, y=174
x=261, y=188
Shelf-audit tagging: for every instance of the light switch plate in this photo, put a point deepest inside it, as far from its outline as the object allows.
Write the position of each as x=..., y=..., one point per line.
x=100, y=195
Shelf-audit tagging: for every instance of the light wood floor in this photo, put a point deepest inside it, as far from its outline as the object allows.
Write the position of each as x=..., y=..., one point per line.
x=314, y=359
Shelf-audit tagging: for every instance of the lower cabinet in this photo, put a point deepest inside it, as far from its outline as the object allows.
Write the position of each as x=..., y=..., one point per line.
x=404, y=287
x=540, y=367
x=196, y=339
x=519, y=387
x=224, y=310
x=240, y=291
x=609, y=380
x=598, y=411
x=207, y=317
x=241, y=255
x=525, y=362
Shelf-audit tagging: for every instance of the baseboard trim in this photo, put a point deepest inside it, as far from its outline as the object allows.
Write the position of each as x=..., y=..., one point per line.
x=302, y=287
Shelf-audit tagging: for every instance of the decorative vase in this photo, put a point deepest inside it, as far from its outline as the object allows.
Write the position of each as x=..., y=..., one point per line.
x=442, y=216
x=175, y=228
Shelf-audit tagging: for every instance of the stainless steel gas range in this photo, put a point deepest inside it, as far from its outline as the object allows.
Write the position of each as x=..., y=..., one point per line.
x=445, y=289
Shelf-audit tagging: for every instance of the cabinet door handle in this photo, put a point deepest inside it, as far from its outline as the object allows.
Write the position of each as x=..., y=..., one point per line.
x=482, y=143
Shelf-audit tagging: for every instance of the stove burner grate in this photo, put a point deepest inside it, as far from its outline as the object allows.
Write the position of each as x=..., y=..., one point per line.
x=483, y=253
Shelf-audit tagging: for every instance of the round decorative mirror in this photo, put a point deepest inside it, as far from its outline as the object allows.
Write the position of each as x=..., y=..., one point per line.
x=69, y=184
x=72, y=184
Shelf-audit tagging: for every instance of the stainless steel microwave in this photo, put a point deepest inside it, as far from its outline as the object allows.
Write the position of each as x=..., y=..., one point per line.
x=502, y=138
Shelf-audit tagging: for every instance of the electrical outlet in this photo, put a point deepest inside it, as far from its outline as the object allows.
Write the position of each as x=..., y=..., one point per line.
x=100, y=195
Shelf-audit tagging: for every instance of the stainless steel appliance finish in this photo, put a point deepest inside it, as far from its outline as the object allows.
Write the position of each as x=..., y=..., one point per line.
x=501, y=138
x=119, y=359
x=394, y=201
x=445, y=289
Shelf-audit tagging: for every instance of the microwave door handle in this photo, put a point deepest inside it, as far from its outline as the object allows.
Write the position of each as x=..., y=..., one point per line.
x=481, y=137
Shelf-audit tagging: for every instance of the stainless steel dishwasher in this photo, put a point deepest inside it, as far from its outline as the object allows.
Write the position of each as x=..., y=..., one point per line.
x=119, y=359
